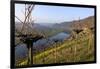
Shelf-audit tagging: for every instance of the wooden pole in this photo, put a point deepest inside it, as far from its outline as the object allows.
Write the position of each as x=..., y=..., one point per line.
x=30, y=52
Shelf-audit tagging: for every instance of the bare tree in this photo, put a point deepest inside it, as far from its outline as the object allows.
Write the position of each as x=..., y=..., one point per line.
x=27, y=33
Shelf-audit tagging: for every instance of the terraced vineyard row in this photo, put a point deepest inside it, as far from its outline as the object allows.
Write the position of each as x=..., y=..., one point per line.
x=72, y=52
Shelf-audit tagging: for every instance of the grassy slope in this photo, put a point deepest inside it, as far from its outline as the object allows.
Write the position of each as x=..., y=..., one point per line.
x=76, y=50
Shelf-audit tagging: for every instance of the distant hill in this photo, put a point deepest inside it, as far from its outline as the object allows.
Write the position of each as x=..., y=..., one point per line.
x=76, y=24
x=50, y=28
x=87, y=22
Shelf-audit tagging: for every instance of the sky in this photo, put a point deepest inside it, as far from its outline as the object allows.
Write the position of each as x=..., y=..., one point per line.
x=54, y=14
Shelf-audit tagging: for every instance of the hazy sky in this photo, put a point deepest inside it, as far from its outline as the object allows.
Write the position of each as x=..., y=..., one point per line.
x=54, y=14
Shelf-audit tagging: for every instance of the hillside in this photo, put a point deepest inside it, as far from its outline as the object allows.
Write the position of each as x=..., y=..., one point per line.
x=87, y=22
x=76, y=24
x=75, y=50
x=79, y=49
x=52, y=29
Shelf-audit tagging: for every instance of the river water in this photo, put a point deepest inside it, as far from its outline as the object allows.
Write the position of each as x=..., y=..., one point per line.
x=21, y=50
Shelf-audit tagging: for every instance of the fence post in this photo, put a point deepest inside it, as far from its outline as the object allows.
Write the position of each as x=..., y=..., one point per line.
x=30, y=54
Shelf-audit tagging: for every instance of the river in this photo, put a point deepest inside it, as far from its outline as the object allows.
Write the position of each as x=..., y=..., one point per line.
x=21, y=50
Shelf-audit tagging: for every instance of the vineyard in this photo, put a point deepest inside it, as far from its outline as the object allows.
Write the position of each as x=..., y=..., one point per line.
x=80, y=49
